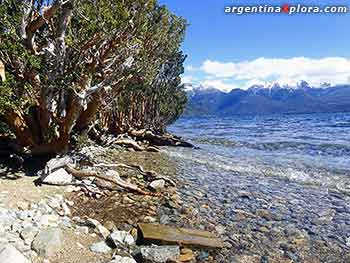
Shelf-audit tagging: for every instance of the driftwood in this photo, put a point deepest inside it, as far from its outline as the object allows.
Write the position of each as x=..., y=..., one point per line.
x=159, y=139
x=87, y=173
x=130, y=143
x=149, y=174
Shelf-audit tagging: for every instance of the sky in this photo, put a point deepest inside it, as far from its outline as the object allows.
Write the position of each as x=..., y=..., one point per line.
x=228, y=51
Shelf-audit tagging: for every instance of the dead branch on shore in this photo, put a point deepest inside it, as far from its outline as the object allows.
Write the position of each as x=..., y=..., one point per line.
x=149, y=174
x=119, y=182
x=165, y=139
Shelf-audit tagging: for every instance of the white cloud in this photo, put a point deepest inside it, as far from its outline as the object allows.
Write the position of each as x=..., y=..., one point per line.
x=335, y=70
x=217, y=84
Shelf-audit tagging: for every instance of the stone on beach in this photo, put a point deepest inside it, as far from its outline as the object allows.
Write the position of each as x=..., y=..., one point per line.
x=180, y=236
x=48, y=242
x=158, y=185
x=121, y=238
x=9, y=254
x=100, y=247
x=120, y=259
x=160, y=254
x=59, y=177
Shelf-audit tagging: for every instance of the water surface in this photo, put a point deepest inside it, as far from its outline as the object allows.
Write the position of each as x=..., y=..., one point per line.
x=278, y=184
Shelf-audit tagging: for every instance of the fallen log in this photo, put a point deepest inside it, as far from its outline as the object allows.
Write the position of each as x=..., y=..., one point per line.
x=87, y=173
x=159, y=139
x=149, y=174
x=129, y=143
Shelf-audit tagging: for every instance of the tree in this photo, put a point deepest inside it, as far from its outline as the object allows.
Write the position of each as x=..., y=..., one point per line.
x=65, y=58
x=147, y=101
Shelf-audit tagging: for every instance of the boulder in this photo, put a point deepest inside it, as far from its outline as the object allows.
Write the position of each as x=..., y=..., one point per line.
x=9, y=254
x=28, y=234
x=163, y=234
x=158, y=185
x=57, y=163
x=48, y=242
x=121, y=238
x=160, y=254
x=100, y=247
x=58, y=177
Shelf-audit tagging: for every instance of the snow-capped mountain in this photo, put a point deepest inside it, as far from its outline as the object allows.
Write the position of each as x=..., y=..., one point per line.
x=272, y=98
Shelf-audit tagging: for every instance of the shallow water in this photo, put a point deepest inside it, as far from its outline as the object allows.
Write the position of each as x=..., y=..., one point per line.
x=279, y=184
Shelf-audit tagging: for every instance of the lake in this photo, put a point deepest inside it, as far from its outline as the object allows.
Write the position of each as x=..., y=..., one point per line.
x=275, y=186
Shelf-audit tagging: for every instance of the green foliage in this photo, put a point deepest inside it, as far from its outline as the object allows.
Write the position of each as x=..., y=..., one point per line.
x=51, y=74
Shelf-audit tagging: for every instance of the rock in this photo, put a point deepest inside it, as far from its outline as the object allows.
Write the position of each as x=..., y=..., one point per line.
x=57, y=163
x=121, y=238
x=66, y=209
x=264, y=214
x=49, y=220
x=59, y=177
x=149, y=219
x=102, y=231
x=28, y=234
x=48, y=242
x=82, y=230
x=186, y=257
x=120, y=259
x=54, y=203
x=179, y=236
x=10, y=254
x=158, y=185
x=100, y=247
x=109, y=225
x=160, y=254
x=220, y=229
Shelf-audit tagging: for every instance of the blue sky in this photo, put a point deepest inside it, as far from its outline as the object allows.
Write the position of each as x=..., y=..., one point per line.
x=237, y=50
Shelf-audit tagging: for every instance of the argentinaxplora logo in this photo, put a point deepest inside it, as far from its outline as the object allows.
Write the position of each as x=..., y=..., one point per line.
x=286, y=9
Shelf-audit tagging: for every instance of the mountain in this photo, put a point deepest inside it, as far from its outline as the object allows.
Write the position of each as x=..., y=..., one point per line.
x=273, y=98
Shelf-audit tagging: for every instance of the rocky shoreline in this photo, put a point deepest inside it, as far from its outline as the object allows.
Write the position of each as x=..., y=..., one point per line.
x=88, y=208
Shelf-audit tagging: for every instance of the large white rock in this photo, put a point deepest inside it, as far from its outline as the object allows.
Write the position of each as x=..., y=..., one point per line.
x=9, y=254
x=48, y=242
x=121, y=238
x=58, y=177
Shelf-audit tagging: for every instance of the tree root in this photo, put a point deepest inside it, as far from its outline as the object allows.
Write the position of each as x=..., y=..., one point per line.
x=121, y=183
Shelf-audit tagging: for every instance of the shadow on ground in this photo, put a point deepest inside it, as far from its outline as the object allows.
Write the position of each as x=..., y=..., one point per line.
x=13, y=166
